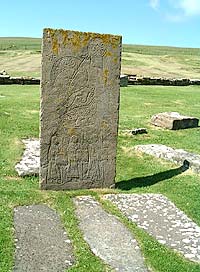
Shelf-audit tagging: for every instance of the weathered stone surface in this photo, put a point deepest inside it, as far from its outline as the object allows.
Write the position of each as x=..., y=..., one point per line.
x=29, y=165
x=174, y=120
x=107, y=237
x=79, y=109
x=179, y=156
x=42, y=244
x=157, y=215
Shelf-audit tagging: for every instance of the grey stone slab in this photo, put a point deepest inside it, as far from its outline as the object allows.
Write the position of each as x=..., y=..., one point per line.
x=30, y=162
x=178, y=156
x=79, y=109
x=158, y=216
x=42, y=244
x=174, y=120
x=107, y=237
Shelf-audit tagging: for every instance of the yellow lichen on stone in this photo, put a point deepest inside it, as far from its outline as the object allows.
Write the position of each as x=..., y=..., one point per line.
x=64, y=36
x=115, y=41
x=105, y=75
x=104, y=124
x=54, y=39
x=78, y=40
x=108, y=54
x=115, y=60
x=71, y=131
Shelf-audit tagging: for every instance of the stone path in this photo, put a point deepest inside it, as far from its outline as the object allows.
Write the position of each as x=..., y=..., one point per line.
x=107, y=237
x=42, y=244
x=29, y=165
x=162, y=219
x=178, y=156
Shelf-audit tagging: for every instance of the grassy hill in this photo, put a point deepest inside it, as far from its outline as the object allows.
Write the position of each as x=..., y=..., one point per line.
x=172, y=62
x=21, y=56
x=19, y=43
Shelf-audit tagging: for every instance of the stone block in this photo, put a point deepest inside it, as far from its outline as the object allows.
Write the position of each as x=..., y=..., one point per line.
x=174, y=120
x=79, y=109
x=123, y=80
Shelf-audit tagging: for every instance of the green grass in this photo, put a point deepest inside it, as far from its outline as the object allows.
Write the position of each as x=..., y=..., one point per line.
x=161, y=61
x=20, y=43
x=160, y=50
x=19, y=118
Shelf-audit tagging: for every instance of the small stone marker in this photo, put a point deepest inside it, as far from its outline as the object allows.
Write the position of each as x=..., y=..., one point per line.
x=123, y=80
x=79, y=109
x=42, y=244
x=107, y=237
x=137, y=131
x=157, y=215
x=174, y=120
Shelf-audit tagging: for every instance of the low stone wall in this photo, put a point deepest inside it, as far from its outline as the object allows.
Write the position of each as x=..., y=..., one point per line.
x=7, y=80
x=134, y=80
x=124, y=81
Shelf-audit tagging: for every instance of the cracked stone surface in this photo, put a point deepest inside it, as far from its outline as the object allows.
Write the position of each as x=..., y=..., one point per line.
x=107, y=237
x=157, y=215
x=30, y=163
x=42, y=245
x=178, y=156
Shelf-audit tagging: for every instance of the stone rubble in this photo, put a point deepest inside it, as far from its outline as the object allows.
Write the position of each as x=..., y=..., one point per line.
x=158, y=216
x=30, y=163
x=178, y=156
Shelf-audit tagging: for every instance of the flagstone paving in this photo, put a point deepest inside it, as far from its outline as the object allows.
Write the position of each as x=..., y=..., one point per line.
x=157, y=215
x=42, y=245
x=107, y=237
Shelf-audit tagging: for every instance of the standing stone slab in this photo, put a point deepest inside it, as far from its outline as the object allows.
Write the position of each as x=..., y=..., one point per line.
x=174, y=120
x=42, y=244
x=79, y=109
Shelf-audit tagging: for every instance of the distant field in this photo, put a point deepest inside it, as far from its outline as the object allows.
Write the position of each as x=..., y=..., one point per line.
x=172, y=62
x=21, y=56
x=15, y=43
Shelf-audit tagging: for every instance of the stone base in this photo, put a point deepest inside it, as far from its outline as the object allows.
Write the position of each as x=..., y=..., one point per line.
x=75, y=185
x=174, y=120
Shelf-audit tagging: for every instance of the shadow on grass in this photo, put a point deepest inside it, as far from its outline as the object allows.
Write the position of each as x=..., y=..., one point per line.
x=152, y=179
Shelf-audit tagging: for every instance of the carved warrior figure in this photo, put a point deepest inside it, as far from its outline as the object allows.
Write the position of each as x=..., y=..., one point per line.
x=79, y=109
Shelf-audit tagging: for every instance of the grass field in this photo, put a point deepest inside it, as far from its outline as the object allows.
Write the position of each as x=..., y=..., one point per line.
x=19, y=118
x=21, y=56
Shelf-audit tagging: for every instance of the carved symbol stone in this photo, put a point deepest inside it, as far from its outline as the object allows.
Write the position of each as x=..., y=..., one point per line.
x=79, y=109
